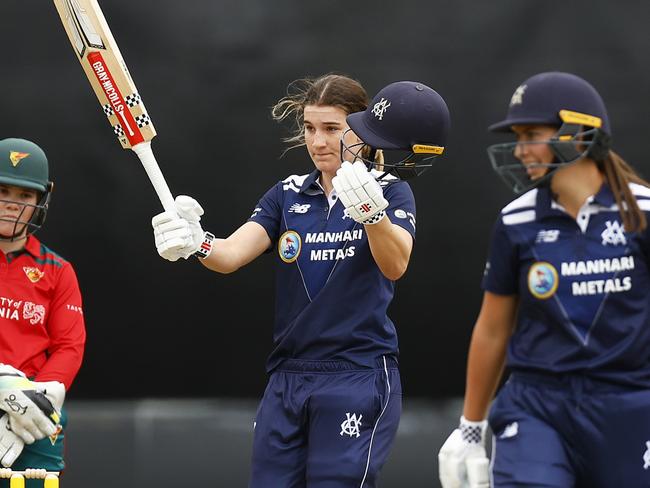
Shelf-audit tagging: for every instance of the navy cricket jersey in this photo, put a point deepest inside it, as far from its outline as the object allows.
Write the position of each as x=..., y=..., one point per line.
x=583, y=286
x=331, y=298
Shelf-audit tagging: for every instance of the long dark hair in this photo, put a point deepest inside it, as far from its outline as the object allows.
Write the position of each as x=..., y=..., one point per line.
x=619, y=175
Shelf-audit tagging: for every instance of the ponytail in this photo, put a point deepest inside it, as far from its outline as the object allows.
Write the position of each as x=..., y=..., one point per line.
x=619, y=175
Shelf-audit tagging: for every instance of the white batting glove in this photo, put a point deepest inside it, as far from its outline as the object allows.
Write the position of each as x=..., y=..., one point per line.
x=179, y=235
x=360, y=193
x=462, y=460
x=11, y=445
x=32, y=415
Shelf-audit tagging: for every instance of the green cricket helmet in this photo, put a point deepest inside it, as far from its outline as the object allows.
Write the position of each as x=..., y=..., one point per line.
x=24, y=164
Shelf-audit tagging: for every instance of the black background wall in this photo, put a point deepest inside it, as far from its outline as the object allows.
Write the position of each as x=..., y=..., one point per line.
x=208, y=71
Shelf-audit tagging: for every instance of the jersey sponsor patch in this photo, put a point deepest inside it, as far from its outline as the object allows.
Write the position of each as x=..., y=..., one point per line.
x=289, y=246
x=599, y=266
x=18, y=310
x=542, y=280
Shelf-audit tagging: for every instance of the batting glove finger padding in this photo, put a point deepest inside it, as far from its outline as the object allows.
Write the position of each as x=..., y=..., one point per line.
x=11, y=445
x=360, y=193
x=462, y=460
x=176, y=237
x=188, y=208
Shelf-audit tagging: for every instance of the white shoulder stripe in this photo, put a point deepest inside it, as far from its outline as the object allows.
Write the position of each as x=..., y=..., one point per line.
x=528, y=199
x=519, y=217
x=640, y=190
x=294, y=182
x=644, y=204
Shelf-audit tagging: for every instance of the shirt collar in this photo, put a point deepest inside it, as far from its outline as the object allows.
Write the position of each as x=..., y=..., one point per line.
x=33, y=246
x=311, y=186
x=546, y=206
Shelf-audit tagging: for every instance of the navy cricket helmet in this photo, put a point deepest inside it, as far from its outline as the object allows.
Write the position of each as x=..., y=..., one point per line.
x=561, y=100
x=24, y=164
x=407, y=119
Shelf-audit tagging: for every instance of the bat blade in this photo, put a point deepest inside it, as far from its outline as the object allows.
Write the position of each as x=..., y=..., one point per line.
x=106, y=70
x=101, y=60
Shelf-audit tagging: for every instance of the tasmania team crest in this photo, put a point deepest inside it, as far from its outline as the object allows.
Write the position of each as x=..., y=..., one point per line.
x=542, y=280
x=34, y=274
x=16, y=157
x=289, y=246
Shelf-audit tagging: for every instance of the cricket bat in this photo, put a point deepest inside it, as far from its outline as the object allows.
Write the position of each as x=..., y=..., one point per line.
x=118, y=96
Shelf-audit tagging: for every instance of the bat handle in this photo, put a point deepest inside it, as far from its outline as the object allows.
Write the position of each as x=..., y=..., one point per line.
x=148, y=160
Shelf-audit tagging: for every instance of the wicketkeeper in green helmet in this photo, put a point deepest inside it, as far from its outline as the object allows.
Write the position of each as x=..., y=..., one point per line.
x=23, y=165
x=41, y=319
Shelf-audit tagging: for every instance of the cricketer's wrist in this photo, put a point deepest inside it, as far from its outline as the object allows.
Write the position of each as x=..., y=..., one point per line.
x=205, y=248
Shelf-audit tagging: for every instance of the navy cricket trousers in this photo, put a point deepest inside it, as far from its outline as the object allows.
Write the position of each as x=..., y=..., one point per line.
x=570, y=431
x=326, y=424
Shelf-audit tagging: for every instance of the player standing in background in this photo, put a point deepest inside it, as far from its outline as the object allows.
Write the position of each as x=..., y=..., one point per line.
x=567, y=295
x=332, y=405
x=42, y=332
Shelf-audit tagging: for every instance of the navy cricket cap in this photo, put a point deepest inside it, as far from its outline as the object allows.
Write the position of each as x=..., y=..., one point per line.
x=404, y=115
x=547, y=98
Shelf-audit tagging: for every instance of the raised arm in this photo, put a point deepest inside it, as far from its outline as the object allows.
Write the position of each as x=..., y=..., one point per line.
x=180, y=235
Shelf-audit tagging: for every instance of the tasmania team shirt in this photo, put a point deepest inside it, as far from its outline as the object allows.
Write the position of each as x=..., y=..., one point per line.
x=583, y=286
x=42, y=330
x=331, y=298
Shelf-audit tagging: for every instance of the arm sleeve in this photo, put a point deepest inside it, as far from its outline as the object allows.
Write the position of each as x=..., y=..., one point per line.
x=501, y=269
x=401, y=205
x=268, y=212
x=67, y=331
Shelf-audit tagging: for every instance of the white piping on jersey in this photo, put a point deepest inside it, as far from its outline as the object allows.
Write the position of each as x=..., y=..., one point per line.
x=567, y=319
x=372, y=436
x=294, y=182
x=302, y=277
x=519, y=217
x=640, y=190
x=644, y=204
x=527, y=200
x=519, y=211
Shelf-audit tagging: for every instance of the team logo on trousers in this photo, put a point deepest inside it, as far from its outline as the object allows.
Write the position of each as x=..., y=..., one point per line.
x=646, y=456
x=351, y=425
x=289, y=246
x=542, y=280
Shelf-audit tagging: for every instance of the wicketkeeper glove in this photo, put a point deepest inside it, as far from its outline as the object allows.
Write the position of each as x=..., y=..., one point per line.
x=11, y=445
x=462, y=460
x=179, y=235
x=360, y=193
x=32, y=414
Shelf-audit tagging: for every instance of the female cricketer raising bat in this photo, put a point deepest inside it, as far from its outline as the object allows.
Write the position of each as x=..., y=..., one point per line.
x=341, y=236
x=566, y=307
